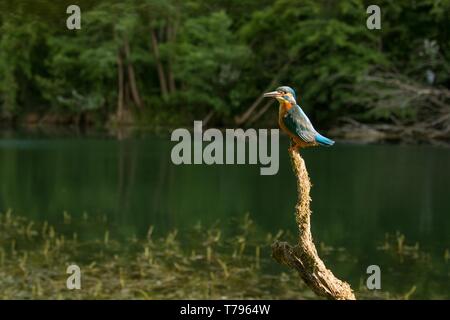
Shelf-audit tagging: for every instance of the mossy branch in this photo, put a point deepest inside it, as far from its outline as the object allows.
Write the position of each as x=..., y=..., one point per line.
x=303, y=257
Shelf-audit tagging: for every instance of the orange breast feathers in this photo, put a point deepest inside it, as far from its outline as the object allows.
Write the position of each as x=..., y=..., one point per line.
x=284, y=107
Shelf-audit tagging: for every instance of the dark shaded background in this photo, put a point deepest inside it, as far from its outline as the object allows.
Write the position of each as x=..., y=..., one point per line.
x=164, y=63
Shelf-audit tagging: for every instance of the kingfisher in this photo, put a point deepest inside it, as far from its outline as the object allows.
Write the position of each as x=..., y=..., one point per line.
x=293, y=120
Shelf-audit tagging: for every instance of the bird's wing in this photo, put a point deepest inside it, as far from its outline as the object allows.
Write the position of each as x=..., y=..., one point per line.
x=298, y=123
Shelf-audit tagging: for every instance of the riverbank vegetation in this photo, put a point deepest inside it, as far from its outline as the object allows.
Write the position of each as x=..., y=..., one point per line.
x=165, y=63
x=197, y=263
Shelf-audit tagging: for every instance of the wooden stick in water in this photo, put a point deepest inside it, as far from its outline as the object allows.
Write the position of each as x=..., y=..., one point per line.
x=303, y=257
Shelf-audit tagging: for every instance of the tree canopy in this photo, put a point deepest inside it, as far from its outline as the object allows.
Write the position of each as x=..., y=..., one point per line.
x=169, y=62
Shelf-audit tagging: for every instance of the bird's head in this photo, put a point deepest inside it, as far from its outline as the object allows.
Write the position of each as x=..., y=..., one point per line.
x=283, y=94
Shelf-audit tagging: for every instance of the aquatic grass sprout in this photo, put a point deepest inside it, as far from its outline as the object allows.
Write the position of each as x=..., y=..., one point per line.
x=196, y=263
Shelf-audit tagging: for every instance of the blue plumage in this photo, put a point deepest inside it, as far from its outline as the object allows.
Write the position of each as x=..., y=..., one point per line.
x=295, y=122
x=323, y=141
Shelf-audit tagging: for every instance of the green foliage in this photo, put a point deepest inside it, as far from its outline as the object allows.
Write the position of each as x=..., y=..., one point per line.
x=208, y=61
x=18, y=53
x=326, y=46
x=82, y=66
x=215, y=56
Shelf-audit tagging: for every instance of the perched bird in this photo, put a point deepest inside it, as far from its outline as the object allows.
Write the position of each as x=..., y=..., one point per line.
x=294, y=121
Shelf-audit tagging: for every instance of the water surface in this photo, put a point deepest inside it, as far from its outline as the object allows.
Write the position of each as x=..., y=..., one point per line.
x=361, y=193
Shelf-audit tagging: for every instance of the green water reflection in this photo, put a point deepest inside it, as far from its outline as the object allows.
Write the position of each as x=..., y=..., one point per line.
x=360, y=193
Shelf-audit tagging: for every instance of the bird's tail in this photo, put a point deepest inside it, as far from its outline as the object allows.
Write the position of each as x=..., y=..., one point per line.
x=323, y=141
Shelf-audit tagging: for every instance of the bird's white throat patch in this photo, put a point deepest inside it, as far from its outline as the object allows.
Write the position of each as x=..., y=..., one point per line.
x=227, y=146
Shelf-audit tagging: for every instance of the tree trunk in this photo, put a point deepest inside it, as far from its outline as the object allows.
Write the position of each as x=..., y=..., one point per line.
x=120, y=86
x=172, y=85
x=261, y=112
x=171, y=37
x=303, y=257
x=126, y=92
x=159, y=65
x=240, y=119
x=207, y=118
x=131, y=75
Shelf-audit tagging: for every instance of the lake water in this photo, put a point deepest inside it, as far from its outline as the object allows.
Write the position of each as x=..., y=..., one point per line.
x=361, y=194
